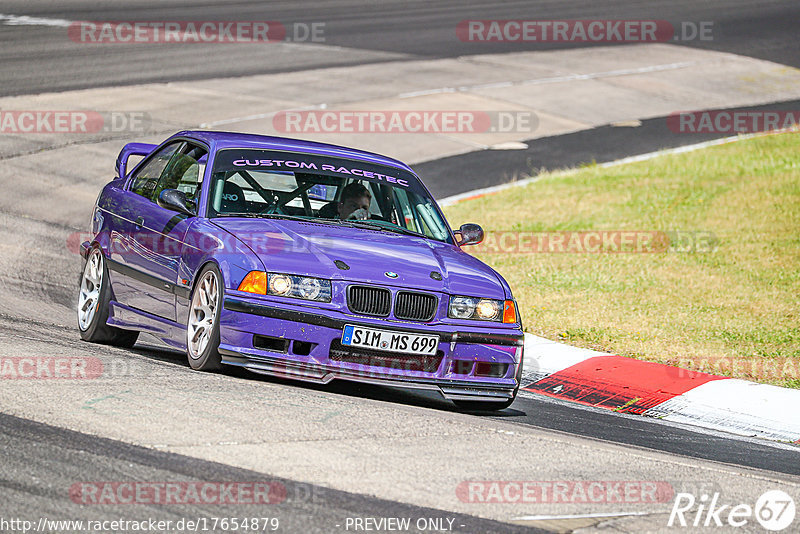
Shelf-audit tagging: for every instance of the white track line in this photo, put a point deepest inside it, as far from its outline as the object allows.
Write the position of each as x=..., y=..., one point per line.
x=553, y=79
x=23, y=20
x=453, y=199
x=577, y=516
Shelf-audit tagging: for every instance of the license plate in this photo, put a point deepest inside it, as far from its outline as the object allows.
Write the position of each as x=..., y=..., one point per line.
x=371, y=338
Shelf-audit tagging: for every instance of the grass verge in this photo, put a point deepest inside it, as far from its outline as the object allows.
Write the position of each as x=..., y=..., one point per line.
x=722, y=297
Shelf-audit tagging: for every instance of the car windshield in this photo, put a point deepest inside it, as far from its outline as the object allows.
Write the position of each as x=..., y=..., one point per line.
x=269, y=184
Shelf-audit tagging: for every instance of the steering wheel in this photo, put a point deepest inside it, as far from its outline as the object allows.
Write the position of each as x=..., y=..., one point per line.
x=273, y=207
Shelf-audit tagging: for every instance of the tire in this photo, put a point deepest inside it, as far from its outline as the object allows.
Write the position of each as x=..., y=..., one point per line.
x=94, y=295
x=489, y=406
x=202, y=325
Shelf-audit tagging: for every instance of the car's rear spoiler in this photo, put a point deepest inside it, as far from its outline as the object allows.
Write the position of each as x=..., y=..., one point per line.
x=131, y=149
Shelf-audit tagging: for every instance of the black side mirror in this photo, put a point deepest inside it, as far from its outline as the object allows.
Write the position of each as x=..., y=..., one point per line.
x=172, y=199
x=469, y=234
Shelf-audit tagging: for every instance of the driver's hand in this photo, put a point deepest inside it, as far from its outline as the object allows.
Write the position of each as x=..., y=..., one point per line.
x=360, y=215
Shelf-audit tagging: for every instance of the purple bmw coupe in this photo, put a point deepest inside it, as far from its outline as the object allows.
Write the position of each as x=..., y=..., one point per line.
x=298, y=259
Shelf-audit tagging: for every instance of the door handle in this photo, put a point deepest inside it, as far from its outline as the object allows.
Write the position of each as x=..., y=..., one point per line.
x=139, y=223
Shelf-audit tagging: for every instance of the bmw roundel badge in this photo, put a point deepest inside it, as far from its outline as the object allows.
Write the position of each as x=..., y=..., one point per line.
x=390, y=274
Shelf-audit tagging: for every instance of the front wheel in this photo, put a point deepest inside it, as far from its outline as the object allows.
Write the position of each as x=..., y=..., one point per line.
x=94, y=297
x=202, y=329
x=489, y=406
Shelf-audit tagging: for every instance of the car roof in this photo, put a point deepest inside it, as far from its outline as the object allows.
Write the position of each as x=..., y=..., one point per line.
x=220, y=140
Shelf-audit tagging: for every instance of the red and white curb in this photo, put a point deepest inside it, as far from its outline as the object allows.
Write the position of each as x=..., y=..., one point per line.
x=650, y=389
x=655, y=390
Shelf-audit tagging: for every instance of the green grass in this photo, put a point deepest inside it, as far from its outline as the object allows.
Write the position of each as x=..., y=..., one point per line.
x=733, y=310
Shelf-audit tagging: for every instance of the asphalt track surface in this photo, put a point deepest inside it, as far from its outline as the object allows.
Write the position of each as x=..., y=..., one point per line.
x=41, y=58
x=603, y=425
x=40, y=460
x=35, y=452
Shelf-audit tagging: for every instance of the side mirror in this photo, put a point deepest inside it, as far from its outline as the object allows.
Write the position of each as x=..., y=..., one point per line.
x=469, y=234
x=174, y=200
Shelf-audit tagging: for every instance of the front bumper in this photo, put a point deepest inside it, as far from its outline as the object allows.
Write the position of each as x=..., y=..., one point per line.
x=477, y=364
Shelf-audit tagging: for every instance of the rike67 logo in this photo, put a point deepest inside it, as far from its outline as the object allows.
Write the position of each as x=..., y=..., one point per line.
x=774, y=510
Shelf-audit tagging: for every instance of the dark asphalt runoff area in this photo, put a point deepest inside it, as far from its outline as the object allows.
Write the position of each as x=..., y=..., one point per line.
x=486, y=168
x=57, y=474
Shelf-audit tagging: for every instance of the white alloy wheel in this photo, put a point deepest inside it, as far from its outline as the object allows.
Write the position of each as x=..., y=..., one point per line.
x=89, y=295
x=202, y=314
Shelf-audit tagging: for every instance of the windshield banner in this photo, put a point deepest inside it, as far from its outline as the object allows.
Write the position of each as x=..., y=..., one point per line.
x=264, y=161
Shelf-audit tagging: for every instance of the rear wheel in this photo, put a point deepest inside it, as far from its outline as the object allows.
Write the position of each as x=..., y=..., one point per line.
x=202, y=328
x=94, y=296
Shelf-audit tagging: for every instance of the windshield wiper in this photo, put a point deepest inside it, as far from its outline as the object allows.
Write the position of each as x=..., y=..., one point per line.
x=265, y=216
x=353, y=223
x=393, y=228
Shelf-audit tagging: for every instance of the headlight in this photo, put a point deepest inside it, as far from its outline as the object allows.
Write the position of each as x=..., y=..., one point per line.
x=488, y=310
x=300, y=287
x=310, y=288
x=475, y=308
x=287, y=285
x=462, y=307
x=279, y=284
x=479, y=309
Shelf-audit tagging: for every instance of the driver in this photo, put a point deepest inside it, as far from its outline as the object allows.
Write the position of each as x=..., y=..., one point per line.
x=354, y=203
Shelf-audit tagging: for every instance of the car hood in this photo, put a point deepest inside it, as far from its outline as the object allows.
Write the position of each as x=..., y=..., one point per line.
x=313, y=249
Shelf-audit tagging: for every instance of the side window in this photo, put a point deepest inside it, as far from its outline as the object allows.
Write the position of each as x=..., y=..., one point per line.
x=144, y=183
x=408, y=215
x=184, y=172
x=375, y=192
